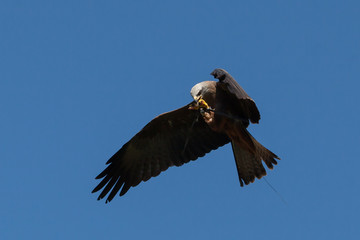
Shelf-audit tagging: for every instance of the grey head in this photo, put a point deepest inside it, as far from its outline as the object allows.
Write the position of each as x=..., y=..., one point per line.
x=196, y=91
x=201, y=89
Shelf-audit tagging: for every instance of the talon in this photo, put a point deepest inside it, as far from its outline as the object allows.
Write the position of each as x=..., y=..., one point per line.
x=200, y=104
x=194, y=107
x=203, y=104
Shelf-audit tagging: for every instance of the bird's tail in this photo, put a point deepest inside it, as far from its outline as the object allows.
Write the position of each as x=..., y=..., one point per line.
x=249, y=160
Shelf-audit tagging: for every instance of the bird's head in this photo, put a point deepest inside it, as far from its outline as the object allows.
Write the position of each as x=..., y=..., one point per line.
x=199, y=92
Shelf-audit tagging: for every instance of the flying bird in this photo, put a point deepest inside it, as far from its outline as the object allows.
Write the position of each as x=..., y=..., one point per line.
x=220, y=113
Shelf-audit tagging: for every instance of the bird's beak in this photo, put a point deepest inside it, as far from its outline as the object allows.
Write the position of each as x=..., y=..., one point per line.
x=197, y=98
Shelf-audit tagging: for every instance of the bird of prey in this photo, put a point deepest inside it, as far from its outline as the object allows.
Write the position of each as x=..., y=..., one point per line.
x=220, y=113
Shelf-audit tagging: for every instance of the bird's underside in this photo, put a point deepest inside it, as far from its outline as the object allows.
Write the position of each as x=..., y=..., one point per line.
x=220, y=114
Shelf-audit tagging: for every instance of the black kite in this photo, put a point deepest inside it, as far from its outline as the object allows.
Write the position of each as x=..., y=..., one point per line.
x=220, y=113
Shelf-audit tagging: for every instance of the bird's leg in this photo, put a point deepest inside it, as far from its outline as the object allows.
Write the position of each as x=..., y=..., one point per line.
x=208, y=117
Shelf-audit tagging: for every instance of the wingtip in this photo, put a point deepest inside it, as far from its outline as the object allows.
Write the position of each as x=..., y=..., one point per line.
x=219, y=73
x=95, y=189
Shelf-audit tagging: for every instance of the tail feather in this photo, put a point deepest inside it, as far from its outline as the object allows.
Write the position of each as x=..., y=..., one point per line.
x=249, y=163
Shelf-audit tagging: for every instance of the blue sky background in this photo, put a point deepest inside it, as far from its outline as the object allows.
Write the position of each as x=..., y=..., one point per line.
x=79, y=78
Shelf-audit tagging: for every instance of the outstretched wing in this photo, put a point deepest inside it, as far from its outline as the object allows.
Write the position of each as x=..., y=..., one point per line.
x=172, y=138
x=236, y=95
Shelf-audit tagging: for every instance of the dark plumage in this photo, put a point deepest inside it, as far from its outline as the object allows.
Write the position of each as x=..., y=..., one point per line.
x=220, y=114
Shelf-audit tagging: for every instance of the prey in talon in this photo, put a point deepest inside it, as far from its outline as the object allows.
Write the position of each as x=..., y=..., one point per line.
x=200, y=104
x=203, y=104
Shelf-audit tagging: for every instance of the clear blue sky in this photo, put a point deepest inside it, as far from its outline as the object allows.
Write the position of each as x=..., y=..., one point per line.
x=79, y=78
